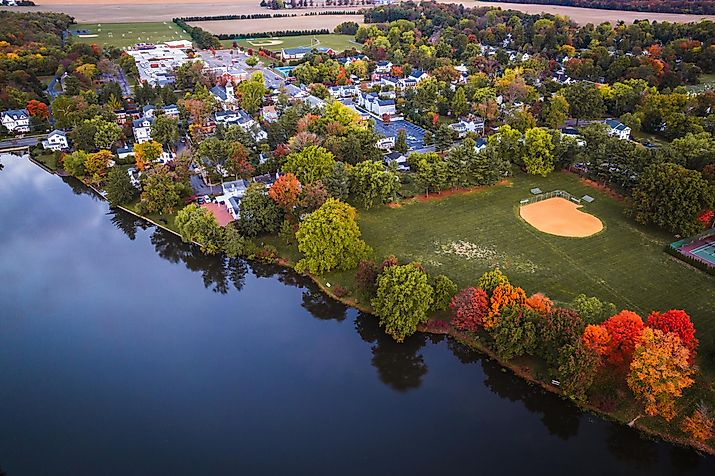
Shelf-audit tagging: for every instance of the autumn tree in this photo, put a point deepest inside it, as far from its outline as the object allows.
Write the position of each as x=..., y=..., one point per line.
x=597, y=338
x=147, y=153
x=539, y=303
x=678, y=322
x=38, y=109
x=624, y=329
x=313, y=196
x=96, y=165
x=659, y=372
x=366, y=276
x=402, y=300
x=285, y=191
x=699, y=425
x=503, y=296
x=329, y=239
x=469, y=308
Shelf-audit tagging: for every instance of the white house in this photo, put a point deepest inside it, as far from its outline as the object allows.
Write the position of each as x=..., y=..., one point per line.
x=233, y=192
x=56, y=140
x=269, y=113
x=16, y=120
x=142, y=129
x=468, y=125
x=398, y=158
x=618, y=129
x=226, y=95
x=345, y=91
x=379, y=107
x=383, y=67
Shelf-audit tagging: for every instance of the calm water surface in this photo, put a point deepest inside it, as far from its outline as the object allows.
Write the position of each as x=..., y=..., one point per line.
x=125, y=352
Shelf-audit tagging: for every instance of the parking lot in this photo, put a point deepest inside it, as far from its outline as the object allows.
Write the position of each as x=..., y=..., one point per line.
x=415, y=134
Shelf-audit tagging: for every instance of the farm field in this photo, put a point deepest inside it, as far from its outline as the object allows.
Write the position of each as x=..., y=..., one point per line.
x=122, y=35
x=336, y=42
x=465, y=235
x=305, y=22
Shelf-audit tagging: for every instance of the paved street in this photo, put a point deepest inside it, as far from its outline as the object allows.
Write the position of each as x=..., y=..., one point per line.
x=8, y=144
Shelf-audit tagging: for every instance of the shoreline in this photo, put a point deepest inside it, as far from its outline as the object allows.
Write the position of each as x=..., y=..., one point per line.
x=473, y=343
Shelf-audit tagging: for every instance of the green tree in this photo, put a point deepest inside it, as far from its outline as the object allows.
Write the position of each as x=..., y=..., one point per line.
x=372, y=184
x=197, y=224
x=538, y=147
x=165, y=130
x=74, y=163
x=338, y=183
x=555, y=112
x=459, y=103
x=591, y=309
x=672, y=197
x=259, y=214
x=403, y=299
x=432, y=173
x=490, y=280
x=160, y=192
x=119, y=188
x=584, y=101
x=515, y=333
x=106, y=133
x=252, y=92
x=444, y=291
x=329, y=239
x=401, y=141
x=310, y=164
x=443, y=139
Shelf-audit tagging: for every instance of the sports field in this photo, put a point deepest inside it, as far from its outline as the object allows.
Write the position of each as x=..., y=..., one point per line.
x=336, y=42
x=464, y=235
x=122, y=35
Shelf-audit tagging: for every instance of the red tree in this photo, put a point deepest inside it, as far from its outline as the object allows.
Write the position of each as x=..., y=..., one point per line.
x=285, y=192
x=469, y=308
x=38, y=109
x=678, y=322
x=281, y=151
x=624, y=329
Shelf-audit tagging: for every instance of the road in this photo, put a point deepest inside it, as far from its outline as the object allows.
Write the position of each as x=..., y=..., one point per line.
x=11, y=144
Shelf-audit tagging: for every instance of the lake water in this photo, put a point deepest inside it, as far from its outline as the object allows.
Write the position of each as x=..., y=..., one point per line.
x=124, y=351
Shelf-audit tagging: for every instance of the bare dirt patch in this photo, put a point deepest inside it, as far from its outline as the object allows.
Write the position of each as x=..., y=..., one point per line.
x=310, y=22
x=561, y=217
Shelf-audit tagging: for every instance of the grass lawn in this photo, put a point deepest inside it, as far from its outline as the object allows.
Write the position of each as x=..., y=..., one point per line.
x=624, y=263
x=49, y=160
x=707, y=83
x=336, y=42
x=122, y=35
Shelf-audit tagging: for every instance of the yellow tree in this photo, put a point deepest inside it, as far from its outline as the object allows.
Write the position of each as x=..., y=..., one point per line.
x=146, y=153
x=659, y=372
x=699, y=425
x=96, y=165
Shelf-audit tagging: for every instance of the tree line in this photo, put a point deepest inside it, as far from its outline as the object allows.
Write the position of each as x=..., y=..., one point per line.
x=701, y=7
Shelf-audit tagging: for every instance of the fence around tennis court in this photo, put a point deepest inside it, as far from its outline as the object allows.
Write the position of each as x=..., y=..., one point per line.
x=683, y=250
x=553, y=194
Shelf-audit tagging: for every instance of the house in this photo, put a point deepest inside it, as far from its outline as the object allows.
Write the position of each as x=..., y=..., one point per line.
x=134, y=176
x=225, y=95
x=266, y=179
x=379, y=107
x=383, y=67
x=617, y=129
x=56, y=140
x=233, y=192
x=124, y=152
x=345, y=91
x=269, y=113
x=468, y=125
x=16, y=120
x=417, y=75
x=166, y=156
x=226, y=117
x=480, y=144
x=314, y=102
x=398, y=158
x=300, y=52
x=142, y=129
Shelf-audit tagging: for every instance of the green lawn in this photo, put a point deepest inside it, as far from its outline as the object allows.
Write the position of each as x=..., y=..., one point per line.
x=623, y=264
x=707, y=83
x=337, y=42
x=122, y=35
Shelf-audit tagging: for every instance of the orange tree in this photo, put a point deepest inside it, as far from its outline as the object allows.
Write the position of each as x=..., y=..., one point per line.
x=285, y=191
x=699, y=425
x=504, y=295
x=624, y=330
x=659, y=372
x=677, y=322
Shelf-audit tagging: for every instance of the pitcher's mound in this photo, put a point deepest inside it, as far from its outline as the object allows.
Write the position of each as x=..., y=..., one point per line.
x=558, y=216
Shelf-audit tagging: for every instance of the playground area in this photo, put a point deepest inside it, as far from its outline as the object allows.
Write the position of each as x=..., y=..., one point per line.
x=125, y=35
x=335, y=42
x=558, y=213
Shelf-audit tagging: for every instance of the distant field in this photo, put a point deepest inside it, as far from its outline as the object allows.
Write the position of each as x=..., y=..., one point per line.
x=336, y=42
x=707, y=83
x=310, y=22
x=122, y=35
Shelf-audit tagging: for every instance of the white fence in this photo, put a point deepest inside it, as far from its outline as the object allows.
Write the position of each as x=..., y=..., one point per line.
x=547, y=195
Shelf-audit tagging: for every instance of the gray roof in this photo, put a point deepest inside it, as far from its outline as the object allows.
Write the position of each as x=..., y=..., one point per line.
x=219, y=92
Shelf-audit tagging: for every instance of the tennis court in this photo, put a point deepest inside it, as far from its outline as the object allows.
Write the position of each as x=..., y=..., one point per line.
x=705, y=252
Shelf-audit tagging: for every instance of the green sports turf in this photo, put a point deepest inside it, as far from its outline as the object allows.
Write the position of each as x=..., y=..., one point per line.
x=122, y=35
x=625, y=263
x=337, y=42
